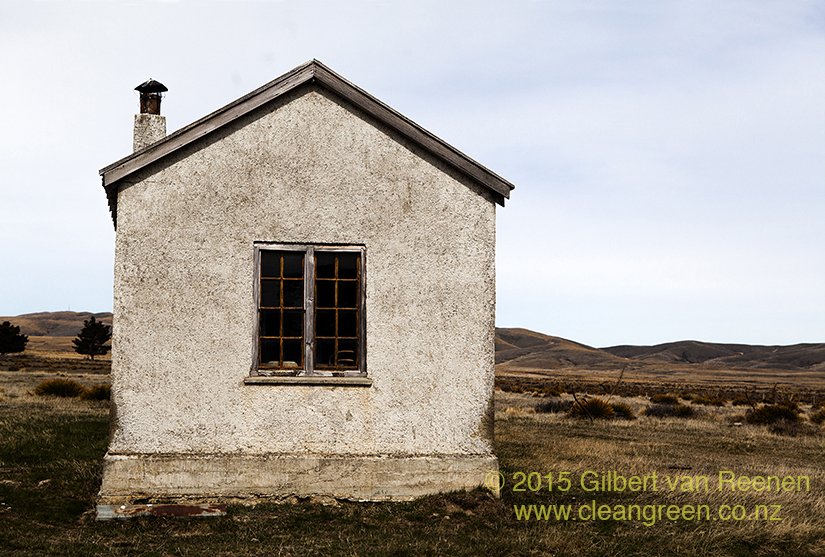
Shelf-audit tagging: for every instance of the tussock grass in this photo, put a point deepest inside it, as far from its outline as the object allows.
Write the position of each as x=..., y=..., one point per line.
x=592, y=408
x=772, y=414
x=97, y=392
x=623, y=411
x=65, y=388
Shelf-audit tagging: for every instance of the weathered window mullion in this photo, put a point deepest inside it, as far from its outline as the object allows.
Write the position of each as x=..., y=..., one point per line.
x=309, y=311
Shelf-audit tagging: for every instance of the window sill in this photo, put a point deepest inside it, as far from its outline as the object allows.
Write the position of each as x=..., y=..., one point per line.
x=318, y=380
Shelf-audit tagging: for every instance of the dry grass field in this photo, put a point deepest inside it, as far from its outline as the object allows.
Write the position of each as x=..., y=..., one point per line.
x=640, y=487
x=50, y=469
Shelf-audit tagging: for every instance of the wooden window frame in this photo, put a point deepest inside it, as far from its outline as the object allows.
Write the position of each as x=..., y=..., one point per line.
x=308, y=373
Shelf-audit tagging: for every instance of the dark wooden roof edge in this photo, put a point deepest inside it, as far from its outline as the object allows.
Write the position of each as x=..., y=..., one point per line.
x=319, y=73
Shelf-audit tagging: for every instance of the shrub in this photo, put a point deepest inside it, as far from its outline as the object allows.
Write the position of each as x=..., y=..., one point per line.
x=818, y=417
x=59, y=387
x=595, y=408
x=710, y=400
x=771, y=414
x=554, y=406
x=793, y=428
x=669, y=410
x=683, y=411
x=623, y=411
x=555, y=390
x=792, y=404
x=97, y=392
x=740, y=400
x=664, y=399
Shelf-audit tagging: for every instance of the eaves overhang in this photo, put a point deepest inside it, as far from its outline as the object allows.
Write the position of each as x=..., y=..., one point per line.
x=310, y=72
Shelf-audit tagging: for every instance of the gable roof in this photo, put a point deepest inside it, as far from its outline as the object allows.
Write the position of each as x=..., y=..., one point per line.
x=310, y=72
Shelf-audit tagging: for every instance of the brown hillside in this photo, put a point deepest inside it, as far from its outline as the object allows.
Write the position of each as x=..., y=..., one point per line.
x=525, y=349
x=55, y=324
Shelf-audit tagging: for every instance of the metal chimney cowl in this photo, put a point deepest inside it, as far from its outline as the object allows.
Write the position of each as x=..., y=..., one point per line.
x=150, y=126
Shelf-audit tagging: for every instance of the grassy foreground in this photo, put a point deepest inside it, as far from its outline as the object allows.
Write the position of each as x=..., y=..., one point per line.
x=50, y=466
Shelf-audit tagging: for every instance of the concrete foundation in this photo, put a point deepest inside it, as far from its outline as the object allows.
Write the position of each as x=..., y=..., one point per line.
x=255, y=478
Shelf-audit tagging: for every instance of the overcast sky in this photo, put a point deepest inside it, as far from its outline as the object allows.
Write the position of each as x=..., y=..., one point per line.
x=668, y=157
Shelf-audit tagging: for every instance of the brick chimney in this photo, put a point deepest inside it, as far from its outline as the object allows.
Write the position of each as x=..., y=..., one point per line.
x=150, y=126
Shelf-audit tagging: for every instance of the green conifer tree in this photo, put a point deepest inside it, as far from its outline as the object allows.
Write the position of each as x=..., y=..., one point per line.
x=91, y=339
x=11, y=340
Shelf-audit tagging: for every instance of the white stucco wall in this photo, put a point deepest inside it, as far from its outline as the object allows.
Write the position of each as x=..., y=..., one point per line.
x=307, y=169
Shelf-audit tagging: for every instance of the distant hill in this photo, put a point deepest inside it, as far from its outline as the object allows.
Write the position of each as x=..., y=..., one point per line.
x=522, y=348
x=797, y=356
x=56, y=323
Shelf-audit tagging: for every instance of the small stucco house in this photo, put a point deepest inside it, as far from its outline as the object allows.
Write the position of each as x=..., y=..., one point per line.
x=304, y=300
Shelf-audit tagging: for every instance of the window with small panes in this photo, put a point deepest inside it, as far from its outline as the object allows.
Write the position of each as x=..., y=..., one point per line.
x=310, y=303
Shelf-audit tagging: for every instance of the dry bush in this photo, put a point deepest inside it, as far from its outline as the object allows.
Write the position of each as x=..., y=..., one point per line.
x=792, y=404
x=97, y=392
x=740, y=400
x=772, y=414
x=555, y=390
x=623, y=411
x=664, y=399
x=593, y=408
x=65, y=388
x=818, y=417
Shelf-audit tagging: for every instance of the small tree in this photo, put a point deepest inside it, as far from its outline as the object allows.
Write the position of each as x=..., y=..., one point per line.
x=11, y=340
x=92, y=337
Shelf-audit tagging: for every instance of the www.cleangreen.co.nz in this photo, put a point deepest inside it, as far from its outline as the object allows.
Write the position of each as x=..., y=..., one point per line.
x=646, y=514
